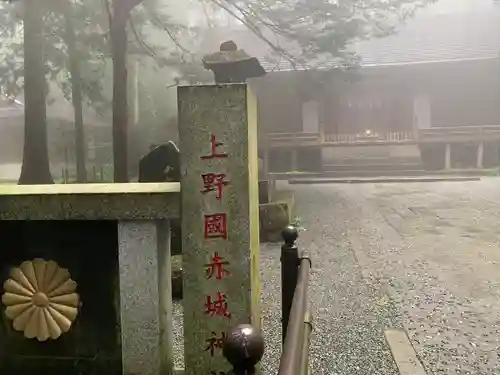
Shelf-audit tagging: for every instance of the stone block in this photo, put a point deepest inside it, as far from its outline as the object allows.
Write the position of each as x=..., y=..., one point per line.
x=274, y=217
x=114, y=241
x=264, y=191
x=134, y=201
x=144, y=277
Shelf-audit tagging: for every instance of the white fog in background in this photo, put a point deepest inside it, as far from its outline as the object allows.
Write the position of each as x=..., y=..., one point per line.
x=450, y=6
x=152, y=85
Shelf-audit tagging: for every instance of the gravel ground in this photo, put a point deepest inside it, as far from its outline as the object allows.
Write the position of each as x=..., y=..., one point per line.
x=420, y=256
x=443, y=269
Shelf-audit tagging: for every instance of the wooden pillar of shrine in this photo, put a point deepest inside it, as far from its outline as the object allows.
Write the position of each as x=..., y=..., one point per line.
x=480, y=155
x=447, y=156
x=220, y=219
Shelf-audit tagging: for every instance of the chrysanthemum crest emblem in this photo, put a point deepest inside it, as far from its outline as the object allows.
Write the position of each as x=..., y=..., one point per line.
x=41, y=299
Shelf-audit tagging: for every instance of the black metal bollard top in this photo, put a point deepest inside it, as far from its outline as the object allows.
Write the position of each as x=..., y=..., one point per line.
x=290, y=235
x=244, y=348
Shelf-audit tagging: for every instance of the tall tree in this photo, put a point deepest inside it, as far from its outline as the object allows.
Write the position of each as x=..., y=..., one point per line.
x=76, y=89
x=35, y=168
x=119, y=14
x=21, y=71
x=78, y=41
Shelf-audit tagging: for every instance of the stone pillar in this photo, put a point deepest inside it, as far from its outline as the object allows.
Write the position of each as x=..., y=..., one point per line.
x=447, y=156
x=480, y=155
x=220, y=216
x=145, y=297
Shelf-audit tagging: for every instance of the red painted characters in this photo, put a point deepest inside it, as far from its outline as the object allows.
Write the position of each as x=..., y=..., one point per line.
x=214, y=144
x=215, y=226
x=217, y=306
x=214, y=182
x=215, y=343
x=215, y=269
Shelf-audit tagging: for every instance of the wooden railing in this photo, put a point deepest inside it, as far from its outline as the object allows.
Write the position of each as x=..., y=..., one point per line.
x=370, y=137
x=460, y=132
x=293, y=138
x=317, y=139
x=436, y=134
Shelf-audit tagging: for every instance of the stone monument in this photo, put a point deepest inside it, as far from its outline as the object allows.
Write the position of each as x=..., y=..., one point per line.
x=85, y=275
x=220, y=217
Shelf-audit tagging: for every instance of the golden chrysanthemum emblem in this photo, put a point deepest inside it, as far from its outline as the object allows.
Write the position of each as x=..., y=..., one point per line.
x=41, y=299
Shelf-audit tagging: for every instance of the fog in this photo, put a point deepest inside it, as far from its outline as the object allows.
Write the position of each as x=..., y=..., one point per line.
x=164, y=54
x=378, y=140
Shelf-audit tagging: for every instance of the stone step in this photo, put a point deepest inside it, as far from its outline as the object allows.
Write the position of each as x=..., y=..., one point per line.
x=374, y=160
x=371, y=167
x=378, y=180
x=372, y=172
x=400, y=173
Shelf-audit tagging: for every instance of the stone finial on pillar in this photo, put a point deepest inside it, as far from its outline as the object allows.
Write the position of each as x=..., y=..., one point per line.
x=232, y=65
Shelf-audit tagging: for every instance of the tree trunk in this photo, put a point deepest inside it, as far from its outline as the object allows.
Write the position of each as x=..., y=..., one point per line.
x=36, y=167
x=76, y=92
x=120, y=108
x=132, y=140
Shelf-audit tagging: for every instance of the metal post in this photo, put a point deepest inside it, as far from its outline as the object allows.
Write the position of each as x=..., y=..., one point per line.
x=289, y=274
